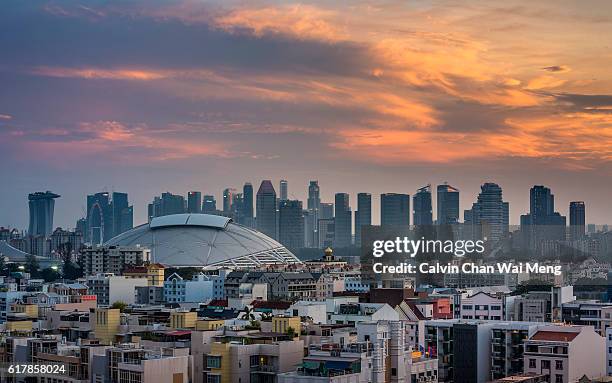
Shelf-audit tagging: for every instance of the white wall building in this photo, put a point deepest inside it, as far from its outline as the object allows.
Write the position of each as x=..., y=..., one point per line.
x=110, y=288
x=482, y=306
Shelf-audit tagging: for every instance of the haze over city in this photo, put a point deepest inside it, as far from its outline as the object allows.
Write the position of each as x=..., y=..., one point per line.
x=149, y=97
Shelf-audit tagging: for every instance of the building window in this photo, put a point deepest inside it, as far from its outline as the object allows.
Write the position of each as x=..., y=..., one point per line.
x=213, y=362
x=394, y=372
x=546, y=364
x=559, y=365
x=467, y=307
x=558, y=378
x=532, y=363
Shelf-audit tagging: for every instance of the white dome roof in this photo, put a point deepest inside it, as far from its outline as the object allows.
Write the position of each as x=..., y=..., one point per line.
x=204, y=240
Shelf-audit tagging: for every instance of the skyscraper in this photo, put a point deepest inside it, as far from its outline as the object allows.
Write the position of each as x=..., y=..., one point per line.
x=291, y=224
x=488, y=216
x=342, y=223
x=313, y=206
x=123, y=214
x=542, y=223
x=448, y=205
x=421, y=205
x=194, y=202
x=363, y=214
x=266, y=209
x=394, y=209
x=283, y=190
x=577, y=220
x=326, y=210
x=167, y=204
x=247, y=204
x=209, y=205
x=41, y=206
x=228, y=199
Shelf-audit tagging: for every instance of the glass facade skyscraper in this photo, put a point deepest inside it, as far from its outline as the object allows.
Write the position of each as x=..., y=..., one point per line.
x=363, y=214
x=448, y=205
x=421, y=205
x=266, y=209
x=342, y=221
x=394, y=209
x=42, y=205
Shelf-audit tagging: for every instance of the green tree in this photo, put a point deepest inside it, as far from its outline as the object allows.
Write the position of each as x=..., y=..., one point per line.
x=31, y=265
x=119, y=305
x=248, y=313
x=291, y=332
x=49, y=274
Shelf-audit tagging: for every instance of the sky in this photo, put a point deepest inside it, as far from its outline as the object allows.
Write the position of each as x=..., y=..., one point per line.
x=364, y=96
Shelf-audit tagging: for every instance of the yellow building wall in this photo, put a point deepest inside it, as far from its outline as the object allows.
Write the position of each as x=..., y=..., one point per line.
x=31, y=310
x=183, y=319
x=205, y=325
x=282, y=324
x=22, y=325
x=155, y=275
x=223, y=350
x=106, y=324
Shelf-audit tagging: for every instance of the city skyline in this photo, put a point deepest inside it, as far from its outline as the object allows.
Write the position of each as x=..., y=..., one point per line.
x=374, y=205
x=201, y=95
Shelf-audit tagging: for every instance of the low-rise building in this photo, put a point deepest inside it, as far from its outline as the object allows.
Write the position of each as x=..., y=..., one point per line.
x=110, y=288
x=482, y=306
x=566, y=353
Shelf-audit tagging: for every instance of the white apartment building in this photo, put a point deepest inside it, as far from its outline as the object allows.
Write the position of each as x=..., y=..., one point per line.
x=110, y=288
x=482, y=306
x=566, y=353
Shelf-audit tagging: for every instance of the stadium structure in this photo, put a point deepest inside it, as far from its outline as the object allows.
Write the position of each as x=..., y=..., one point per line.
x=204, y=240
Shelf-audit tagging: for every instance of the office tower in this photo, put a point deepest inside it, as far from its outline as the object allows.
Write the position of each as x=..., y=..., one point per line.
x=448, y=205
x=238, y=208
x=291, y=224
x=313, y=206
x=209, y=205
x=394, y=209
x=247, y=204
x=326, y=233
x=266, y=209
x=99, y=218
x=421, y=205
x=194, y=202
x=326, y=211
x=488, y=216
x=363, y=215
x=228, y=198
x=166, y=205
x=172, y=204
x=342, y=233
x=284, y=190
x=123, y=214
x=577, y=220
x=542, y=223
x=41, y=213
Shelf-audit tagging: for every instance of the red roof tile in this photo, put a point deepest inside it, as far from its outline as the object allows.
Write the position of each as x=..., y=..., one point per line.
x=554, y=336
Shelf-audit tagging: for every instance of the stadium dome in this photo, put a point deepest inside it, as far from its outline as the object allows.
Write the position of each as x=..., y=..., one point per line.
x=204, y=240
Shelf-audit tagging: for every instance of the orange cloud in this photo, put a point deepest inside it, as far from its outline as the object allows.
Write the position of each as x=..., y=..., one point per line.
x=300, y=21
x=99, y=73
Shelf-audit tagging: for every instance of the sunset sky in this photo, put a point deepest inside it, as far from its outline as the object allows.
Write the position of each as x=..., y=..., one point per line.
x=374, y=96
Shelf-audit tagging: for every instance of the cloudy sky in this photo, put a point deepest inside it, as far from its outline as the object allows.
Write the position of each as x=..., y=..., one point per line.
x=376, y=96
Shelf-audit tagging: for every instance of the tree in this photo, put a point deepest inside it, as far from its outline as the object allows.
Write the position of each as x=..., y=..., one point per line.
x=70, y=268
x=49, y=274
x=248, y=313
x=291, y=332
x=32, y=265
x=2, y=265
x=119, y=305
